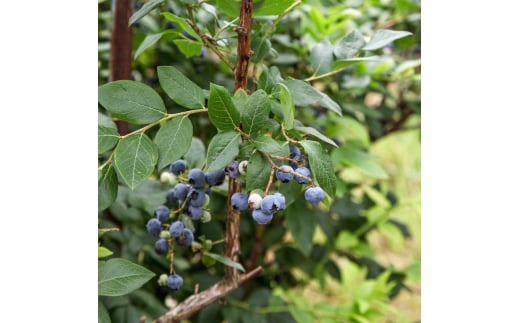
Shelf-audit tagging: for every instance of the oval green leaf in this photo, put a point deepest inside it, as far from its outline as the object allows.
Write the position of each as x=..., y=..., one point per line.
x=321, y=57
x=120, y=276
x=173, y=140
x=287, y=105
x=258, y=171
x=107, y=138
x=180, y=88
x=132, y=101
x=255, y=114
x=384, y=37
x=221, y=109
x=321, y=166
x=222, y=150
x=135, y=158
x=107, y=187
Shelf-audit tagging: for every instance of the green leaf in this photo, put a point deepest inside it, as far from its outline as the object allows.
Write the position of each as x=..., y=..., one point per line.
x=270, y=146
x=147, y=196
x=321, y=57
x=225, y=260
x=348, y=46
x=344, y=63
x=132, y=101
x=260, y=7
x=145, y=9
x=258, y=171
x=119, y=277
x=317, y=134
x=181, y=22
x=222, y=150
x=148, y=42
x=255, y=114
x=103, y=316
x=287, y=104
x=103, y=252
x=384, y=37
x=349, y=129
x=359, y=159
x=107, y=187
x=107, y=138
x=188, y=47
x=221, y=109
x=321, y=166
x=173, y=140
x=196, y=153
x=106, y=121
x=301, y=222
x=301, y=316
x=135, y=158
x=180, y=88
x=305, y=95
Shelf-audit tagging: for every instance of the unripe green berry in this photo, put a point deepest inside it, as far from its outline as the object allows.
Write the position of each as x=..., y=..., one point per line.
x=165, y=234
x=242, y=167
x=254, y=201
x=163, y=280
x=206, y=217
x=207, y=199
x=168, y=178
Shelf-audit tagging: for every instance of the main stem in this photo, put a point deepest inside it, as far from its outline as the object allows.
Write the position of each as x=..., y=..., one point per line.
x=244, y=52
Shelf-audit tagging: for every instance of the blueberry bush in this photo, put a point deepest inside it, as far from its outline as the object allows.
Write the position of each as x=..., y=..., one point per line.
x=234, y=156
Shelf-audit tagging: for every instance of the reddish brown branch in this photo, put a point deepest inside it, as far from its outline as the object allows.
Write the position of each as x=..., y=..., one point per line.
x=232, y=232
x=244, y=52
x=121, y=49
x=196, y=302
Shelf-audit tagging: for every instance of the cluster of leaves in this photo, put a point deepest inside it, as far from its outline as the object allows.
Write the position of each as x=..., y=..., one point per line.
x=313, y=84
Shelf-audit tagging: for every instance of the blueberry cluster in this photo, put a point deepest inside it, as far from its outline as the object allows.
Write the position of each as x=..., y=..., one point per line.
x=189, y=195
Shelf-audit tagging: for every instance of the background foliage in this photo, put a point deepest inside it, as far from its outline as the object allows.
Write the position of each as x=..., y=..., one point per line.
x=355, y=260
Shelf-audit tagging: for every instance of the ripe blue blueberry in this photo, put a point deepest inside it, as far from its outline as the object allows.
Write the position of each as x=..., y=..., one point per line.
x=314, y=195
x=186, y=238
x=174, y=281
x=239, y=201
x=176, y=229
x=305, y=172
x=153, y=226
x=281, y=200
x=171, y=197
x=161, y=246
x=232, y=169
x=162, y=213
x=194, y=212
x=294, y=152
x=271, y=203
x=196, y=178
x=181, y=191
x=196, y=197
x=215, y=178
x=178, y=167
x=261, y=217
x=283, y=174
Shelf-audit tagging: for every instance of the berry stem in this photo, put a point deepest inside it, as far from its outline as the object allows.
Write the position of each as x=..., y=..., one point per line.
x=172, y=256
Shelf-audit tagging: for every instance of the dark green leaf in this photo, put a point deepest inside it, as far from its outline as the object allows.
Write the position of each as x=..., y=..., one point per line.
x=255, y=114
x=147, y=196
x=196, y=153
x=270, y=146
x=305, y=95
x=173, y=140
x=260, y=7
x=384, y=37
x=316, y=133
x=269, y=79
x=321, y=166
x=240, y=100
x=135, y=158
x=107, y=138
x=107, y=187
x=132, y=101
x=188, y=47
x=222, y=150
x=301, y=223
x=348, y=46
x=181, y=22
x=258, y=171
x=261, y=48
x=103, y=316
x=148, y=42
x=221, y=109
x=180, y=88
x=119, y=276
x=359, y=159
x=287, y=105
x=106, y=121
x=321, y=57
x=145, y=9
x=225, y=260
